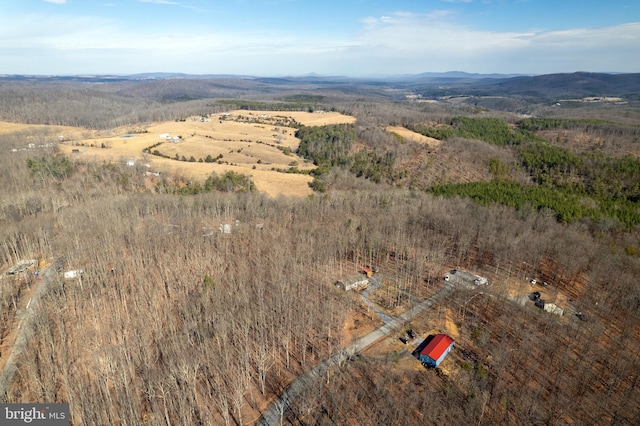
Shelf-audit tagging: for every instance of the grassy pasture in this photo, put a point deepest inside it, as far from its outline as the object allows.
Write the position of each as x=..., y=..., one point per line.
x=250, y=142
x=66, y=131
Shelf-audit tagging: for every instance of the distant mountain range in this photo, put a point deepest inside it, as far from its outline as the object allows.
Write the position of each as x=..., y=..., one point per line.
x=429, y=84
x=548, y=86
x=579, y=83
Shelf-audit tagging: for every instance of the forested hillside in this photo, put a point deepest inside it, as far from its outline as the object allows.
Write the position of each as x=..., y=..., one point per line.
x=199, y=302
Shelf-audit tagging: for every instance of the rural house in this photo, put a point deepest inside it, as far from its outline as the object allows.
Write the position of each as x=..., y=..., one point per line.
x=436, y=350
x=356, y=282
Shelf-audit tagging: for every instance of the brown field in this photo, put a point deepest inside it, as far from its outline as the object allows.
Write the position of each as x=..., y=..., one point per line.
x=250, y=142
x=67, y=131
x=413, y=136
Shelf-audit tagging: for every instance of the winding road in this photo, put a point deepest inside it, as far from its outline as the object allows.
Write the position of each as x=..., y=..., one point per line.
x=274, y=415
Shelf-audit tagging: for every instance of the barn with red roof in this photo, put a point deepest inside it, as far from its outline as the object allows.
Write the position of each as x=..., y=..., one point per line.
x=436, y=350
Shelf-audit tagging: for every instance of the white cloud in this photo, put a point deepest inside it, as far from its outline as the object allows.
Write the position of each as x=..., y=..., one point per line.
x=56, y=1
x=396, y=43
x=419, y=42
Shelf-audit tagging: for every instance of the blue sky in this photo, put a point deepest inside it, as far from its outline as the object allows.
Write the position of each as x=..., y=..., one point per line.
x=329, y=37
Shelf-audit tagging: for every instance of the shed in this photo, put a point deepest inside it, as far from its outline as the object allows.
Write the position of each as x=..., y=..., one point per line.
x=554, y=309
x=436, y=350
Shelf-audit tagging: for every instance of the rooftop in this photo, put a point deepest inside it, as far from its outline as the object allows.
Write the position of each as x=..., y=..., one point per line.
x=437, y=346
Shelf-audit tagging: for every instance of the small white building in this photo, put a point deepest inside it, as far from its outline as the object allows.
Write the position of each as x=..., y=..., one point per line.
x=554, y=309
x=74, y=273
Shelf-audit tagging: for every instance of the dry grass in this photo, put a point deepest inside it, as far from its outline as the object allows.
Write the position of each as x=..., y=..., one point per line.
x=67, y=131
x=250, y=143
x=413, y=136
x=6, y=127
x=451, y=327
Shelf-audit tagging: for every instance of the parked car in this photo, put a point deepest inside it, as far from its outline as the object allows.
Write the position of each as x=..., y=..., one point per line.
x=404, y=340
x=411, y=334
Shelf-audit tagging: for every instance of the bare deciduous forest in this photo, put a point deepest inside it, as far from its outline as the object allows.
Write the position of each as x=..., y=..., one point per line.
x=174, y=322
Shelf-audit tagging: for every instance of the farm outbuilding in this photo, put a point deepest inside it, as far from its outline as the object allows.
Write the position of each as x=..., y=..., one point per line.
x=436, y=350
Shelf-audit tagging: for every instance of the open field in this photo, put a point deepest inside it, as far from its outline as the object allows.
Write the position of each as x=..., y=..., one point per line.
x=413, y=136
x=256, y=143
x=67, y=131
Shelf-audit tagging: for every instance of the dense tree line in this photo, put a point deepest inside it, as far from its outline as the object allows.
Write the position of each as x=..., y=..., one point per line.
x=309, y=103
x=566, y=204
x=326, y=145
x=50, y=167
x=229, y=181
x=610, y=128
x=596, y=174
x=331, y=146
x=489, y=129
x=563, y=179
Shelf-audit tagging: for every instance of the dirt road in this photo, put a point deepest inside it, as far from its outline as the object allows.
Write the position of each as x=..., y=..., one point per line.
x=275, y=413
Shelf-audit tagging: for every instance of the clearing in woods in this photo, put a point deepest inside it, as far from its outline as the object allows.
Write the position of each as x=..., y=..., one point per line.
x=413, y=136
x=260, y=144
